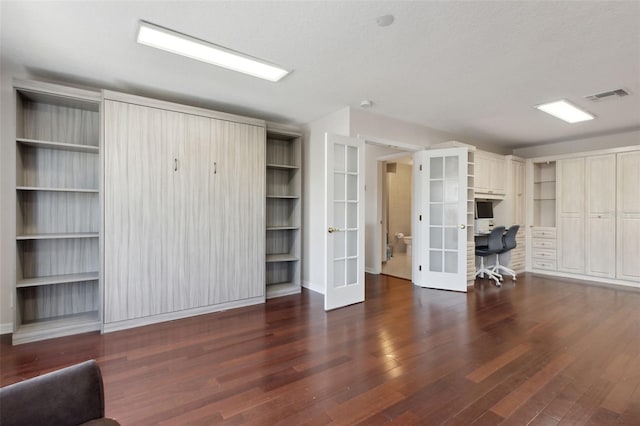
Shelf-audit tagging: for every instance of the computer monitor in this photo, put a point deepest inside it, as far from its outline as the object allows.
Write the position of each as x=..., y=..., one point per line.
x=484, y=210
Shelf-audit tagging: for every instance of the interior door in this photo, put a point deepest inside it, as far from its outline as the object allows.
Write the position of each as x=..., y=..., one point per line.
x=440, y=208
x=344, y=239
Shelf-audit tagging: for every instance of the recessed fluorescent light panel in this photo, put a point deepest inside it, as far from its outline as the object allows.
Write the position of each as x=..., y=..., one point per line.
x=565, y=111
x=182, y=44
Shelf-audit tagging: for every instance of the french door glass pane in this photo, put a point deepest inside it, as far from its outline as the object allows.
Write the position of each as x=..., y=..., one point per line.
x=339, y=214
x=352, y=187
x=352, y=271
x=338, y=245
x=339, y=273
x=435, y=260
x=436, y=169
x=435, y=237
x=352, y=159
x=451, y=262
x=338, y=158
x=451, y=167
x=338, y=186
x=352, y=243
x=436, y=191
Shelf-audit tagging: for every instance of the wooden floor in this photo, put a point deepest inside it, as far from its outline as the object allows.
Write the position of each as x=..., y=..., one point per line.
x=542, y=352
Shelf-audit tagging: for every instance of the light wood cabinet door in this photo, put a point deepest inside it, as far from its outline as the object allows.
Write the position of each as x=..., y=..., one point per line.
x=138, y=190
x=570, y=223
x=628, y=216
x=600, y=215
x=193, y=214
x=237, y=240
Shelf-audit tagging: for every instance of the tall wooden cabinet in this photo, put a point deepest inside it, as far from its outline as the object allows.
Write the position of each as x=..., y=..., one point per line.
x=628, y=216
x=600, y=218
x=570, y=215
x=57, y=290
x=184, y=211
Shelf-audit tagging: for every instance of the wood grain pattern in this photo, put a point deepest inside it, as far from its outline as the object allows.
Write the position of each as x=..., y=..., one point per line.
x=58, y=215
x=402, y=356
x=184, y=219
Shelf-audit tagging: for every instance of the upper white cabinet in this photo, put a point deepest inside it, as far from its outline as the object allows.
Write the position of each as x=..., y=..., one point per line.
x=628, y=216
x=490, y=175
x=184, y=211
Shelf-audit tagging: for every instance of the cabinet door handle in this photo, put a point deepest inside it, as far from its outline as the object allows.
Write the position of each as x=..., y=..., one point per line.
x=175, y=164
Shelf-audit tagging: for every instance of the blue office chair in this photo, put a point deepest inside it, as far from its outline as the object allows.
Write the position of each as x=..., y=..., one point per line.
x=494, y=246
x=509, y=243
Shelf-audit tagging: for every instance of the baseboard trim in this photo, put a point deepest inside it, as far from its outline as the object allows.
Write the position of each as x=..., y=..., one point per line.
x=373, y=271
x=139, y=322
x=6, y=328
x=587, y=278
x=315, y=288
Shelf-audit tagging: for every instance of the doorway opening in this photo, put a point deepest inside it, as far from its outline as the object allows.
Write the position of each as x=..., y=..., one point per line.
x=397, y=189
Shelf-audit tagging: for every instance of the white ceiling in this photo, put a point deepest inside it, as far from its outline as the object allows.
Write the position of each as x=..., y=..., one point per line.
x=470, y=68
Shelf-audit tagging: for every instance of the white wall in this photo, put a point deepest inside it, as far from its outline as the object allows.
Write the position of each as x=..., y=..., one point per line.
x=313, y=190
x=581, y=145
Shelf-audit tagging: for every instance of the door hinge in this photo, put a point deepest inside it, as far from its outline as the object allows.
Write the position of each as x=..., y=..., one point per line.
x=420, y=167
x=419, y=267
x=420, y=218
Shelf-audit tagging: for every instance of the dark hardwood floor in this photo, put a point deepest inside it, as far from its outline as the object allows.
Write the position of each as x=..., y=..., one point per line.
x=541, y=352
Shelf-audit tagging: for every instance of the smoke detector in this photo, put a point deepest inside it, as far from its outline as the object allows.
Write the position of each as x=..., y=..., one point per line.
x=611, y=94
x=366, y=103
x=385, y=20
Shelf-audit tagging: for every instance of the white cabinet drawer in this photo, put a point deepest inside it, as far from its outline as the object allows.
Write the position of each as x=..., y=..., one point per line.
x=543, y=243
x=544, y=264
x=543, y=232
x=543, y=254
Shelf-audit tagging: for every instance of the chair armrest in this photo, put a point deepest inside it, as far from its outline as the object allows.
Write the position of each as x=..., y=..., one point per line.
x=69, y=396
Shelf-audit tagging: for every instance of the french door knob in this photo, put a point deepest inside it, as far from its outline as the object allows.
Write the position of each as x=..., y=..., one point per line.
x=463, y=226
x=331, y=229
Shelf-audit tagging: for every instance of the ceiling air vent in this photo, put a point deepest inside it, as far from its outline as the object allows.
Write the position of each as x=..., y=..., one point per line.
x=611, y=94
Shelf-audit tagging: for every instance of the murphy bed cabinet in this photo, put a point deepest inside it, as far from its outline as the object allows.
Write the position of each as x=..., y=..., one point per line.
x=184, y=211
x=586, y=215
x=57, y=289
x=283, y=210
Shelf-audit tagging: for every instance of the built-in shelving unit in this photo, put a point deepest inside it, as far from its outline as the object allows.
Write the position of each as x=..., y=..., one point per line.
x=544, y=194
x=283, y=204
x=471, y=256
x=57, y=289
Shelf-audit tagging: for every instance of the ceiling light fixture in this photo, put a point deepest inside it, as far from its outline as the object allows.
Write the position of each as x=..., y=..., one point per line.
x=566, y=111
x=182, y=44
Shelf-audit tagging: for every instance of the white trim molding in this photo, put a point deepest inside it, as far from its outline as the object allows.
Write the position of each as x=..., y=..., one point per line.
x=6, y=328
x=313, y=287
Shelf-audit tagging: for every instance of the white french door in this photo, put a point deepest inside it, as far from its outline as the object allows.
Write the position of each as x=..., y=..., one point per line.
x=440, y=210
x=344, y=239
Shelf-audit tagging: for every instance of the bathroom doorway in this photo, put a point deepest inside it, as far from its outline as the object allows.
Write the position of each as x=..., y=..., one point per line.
x=397, y=190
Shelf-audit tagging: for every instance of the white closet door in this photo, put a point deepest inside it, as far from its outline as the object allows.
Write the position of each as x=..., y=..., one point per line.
x=570, y=181
x=238, y=211
x=628, y=216
x=137, y=190
x=600, y=215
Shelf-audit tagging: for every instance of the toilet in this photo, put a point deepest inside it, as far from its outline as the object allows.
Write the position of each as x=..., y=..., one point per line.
x=407, y=241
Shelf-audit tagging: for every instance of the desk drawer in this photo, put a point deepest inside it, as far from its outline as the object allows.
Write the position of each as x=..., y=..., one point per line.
x=544, y=264
x=543, y=243
x=543, y=233
x=537, y=253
